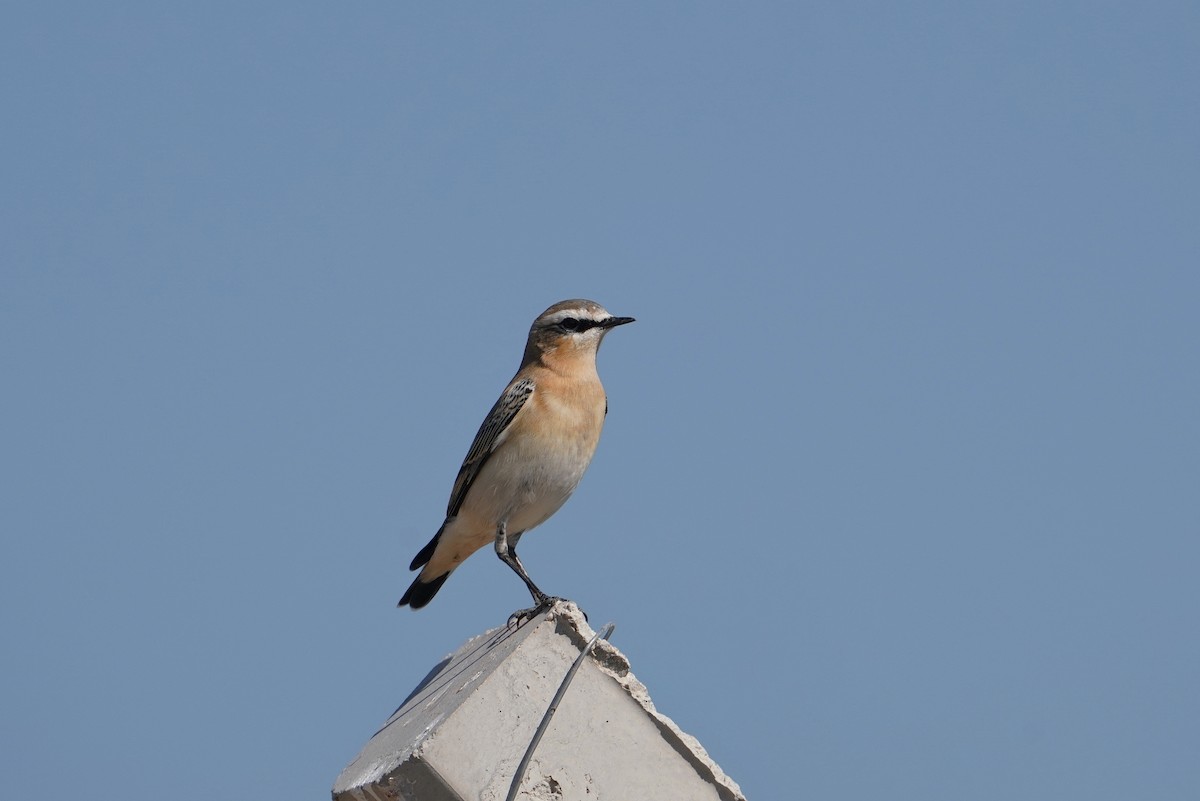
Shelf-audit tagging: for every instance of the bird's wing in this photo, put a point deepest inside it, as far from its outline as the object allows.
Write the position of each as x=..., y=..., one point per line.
x=489, y=437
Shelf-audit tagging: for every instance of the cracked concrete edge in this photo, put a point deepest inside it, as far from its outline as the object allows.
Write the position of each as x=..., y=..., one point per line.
x=412, y=780
x=569, y=620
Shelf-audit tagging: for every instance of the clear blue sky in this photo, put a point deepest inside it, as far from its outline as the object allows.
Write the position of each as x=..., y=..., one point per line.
x=899, y=495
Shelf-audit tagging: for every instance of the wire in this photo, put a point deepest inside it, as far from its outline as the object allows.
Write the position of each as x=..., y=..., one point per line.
x=605, y=633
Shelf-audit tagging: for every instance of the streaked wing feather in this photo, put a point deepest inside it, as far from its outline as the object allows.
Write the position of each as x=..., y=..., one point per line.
x=487, y=438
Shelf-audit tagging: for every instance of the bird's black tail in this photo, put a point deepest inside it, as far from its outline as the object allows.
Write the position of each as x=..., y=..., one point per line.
x=425, y=554
x=421, y=592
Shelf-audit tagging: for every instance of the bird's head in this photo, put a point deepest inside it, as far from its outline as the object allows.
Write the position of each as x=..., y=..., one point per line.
x=570, y=328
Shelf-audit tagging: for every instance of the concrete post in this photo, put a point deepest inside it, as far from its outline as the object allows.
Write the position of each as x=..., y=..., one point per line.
x=462, y=732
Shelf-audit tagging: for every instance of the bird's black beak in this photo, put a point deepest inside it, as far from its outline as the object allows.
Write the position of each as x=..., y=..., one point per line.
x=613, y=322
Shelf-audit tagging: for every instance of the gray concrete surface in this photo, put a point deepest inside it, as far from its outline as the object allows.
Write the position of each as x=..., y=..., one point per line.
x=463, y=730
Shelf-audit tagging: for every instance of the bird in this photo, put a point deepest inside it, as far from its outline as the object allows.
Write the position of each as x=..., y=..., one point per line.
x=530, y=452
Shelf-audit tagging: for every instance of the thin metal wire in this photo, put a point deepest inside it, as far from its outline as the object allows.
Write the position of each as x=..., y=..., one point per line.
x=604, y=633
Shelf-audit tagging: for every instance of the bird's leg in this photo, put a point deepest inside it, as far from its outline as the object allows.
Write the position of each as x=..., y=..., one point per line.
x=508, y=554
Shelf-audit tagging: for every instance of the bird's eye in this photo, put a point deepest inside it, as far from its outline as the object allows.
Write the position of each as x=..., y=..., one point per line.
x=570, y=324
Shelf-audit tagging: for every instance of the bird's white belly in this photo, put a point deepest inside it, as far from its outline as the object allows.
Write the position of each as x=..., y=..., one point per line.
x=524, y=484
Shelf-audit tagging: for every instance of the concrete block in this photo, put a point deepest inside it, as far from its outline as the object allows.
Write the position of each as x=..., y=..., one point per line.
x=463, y=731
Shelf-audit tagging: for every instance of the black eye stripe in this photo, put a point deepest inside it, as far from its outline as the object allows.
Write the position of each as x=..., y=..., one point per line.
x=576, y=325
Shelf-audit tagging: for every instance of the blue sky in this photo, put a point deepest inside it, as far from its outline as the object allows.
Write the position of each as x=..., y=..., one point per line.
x=898, y=494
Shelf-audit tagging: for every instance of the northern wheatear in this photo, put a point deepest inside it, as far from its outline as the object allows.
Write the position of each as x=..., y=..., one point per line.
x=530, y=452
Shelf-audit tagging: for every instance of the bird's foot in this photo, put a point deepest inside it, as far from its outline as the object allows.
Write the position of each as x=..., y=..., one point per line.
x=525, y=615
